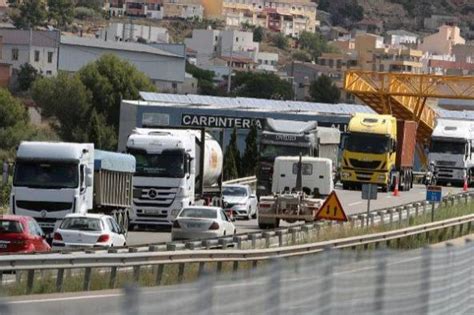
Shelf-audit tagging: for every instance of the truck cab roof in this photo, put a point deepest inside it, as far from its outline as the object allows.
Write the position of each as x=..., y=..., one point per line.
x=373, y=123
x=450, y=128
x=290, y=126
x=53, y=151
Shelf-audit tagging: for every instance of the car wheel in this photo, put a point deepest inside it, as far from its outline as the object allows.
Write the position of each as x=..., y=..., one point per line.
x=249, y=214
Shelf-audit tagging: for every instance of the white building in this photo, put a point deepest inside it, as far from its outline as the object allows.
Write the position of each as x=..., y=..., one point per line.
x=267, y=61
x=398, y=38
x=38, y=48
x=133, y=32
x=165, y=69
x=209, y=44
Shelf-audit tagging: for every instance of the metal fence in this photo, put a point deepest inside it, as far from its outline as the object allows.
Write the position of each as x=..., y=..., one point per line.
x=435, y=280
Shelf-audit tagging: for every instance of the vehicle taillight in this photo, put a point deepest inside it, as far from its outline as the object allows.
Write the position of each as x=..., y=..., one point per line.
x=264, y=205
x=103, y=238
x=176, y=224
x=57, y=237
x=214, y=226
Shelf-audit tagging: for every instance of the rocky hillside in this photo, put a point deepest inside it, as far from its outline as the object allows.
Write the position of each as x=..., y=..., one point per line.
x=407, y=14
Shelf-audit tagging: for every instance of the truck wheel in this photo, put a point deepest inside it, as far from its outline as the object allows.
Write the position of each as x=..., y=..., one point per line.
x=277, y=224
x=345, y=186
x=262, y=226
x=249, y=214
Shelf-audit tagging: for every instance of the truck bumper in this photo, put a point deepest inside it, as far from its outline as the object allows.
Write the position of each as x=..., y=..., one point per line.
x=452, y=175
x=364, y=176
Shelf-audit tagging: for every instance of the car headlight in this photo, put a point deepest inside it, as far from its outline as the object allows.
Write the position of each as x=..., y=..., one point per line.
x=346, y=174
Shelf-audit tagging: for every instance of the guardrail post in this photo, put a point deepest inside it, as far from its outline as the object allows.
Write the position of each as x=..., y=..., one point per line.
x=131, y=300
x=205, y=286
x=29, y=281
x=159, y=274
x=372, y=219
x=87, y=279
x=113, y=277
x=380, y=281
x=293, y=231
x=424, y=207
x=274, y=284
x=382, y=216
x=362, y=218
x=390, y=211
x=417, y=208
x=426, y=262
x=181, y=272
x=280, y=233
x=466, y=196
x=253, y=238
x=325, y=298
x=60, y=280
x=400, y=215
x=136, y=274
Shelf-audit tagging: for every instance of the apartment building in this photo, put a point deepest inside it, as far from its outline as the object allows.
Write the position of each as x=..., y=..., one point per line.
x=38, y=48
x=185, y=9
x=127, y=32
x=442, y=42
x=209, y=44
x=286, y=16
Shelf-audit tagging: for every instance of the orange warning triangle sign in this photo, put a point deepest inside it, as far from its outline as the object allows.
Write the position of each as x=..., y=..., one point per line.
x=331, y=209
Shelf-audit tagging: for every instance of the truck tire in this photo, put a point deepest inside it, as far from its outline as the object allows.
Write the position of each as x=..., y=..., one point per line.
x=262, y=226
x=345, y=186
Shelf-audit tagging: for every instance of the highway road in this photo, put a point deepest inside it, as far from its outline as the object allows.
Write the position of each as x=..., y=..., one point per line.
x=350, y=199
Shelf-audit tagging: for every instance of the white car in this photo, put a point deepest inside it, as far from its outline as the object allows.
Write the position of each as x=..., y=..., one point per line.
x=239, y=201
x=89, y=230
x=201, y=222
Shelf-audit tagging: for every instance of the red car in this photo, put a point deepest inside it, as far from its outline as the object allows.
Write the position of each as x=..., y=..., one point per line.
x=21, y=234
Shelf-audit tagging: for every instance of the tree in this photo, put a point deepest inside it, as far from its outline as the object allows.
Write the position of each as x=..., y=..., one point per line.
x=280, y=41
x=232, y=158
x=86, y=106
x=258, y=34
x=262, y=85
x=314, y=43
x=323, y=90
x=250, y=158
x=109, y=80
x=301, y=56
x=26, y=76
x=62, y=11
x=65, y=100
x=30, y=13
x=14, y=124
x=205, y=79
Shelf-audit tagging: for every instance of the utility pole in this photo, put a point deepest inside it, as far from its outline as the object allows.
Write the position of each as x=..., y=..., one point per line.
x=229, y=79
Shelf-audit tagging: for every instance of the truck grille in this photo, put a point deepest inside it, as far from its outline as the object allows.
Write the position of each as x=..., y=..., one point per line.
x=365, y=164
x=362, y=176
x=154, y=196
x=446, y=163
x=44, y=205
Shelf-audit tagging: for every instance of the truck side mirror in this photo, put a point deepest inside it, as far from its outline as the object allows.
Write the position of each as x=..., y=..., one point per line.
x=89, y=180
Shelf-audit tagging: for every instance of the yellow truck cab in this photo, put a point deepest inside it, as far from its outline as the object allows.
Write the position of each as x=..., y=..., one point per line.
x=377, y=149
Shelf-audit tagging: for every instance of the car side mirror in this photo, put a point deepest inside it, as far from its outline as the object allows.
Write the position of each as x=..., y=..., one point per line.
x=253, y=196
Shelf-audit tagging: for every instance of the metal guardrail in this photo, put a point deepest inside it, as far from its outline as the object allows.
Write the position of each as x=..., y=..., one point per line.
x=251, y=180
x=112, y=261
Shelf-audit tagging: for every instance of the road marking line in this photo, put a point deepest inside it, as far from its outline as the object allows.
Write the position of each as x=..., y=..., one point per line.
x=67, y=298
x=355, y=203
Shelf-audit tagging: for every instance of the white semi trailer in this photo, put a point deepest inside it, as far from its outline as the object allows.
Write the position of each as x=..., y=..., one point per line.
x=452, y=151
x=170, y=174
x=53, y=179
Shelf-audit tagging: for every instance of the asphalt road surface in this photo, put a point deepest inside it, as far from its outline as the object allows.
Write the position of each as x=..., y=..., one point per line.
x=350, y=199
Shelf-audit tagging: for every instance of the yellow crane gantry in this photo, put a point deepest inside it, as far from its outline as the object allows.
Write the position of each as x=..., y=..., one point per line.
x=405, y=95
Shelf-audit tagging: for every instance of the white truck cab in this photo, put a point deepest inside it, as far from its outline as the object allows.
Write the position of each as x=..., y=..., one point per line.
x=451, y=151
x=316, y=175
x=167, y=170
x=52, y=180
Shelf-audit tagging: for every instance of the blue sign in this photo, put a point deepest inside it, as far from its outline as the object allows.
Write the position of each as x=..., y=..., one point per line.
x=433, y=193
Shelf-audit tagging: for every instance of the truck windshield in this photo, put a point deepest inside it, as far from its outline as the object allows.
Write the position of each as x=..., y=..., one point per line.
x=169, y=163
x=46, y=174
x=367, y=143
x=271, y=151
x=443, y=146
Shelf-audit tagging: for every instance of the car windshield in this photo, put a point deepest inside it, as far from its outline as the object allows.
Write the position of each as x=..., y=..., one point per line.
x=9, y=226
x=46, y=174
x=443, y=146
x=169, y=163
x=271, y=151
x=234, y=191
x=81, y=224
x=198, y=213
x=367, y=143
